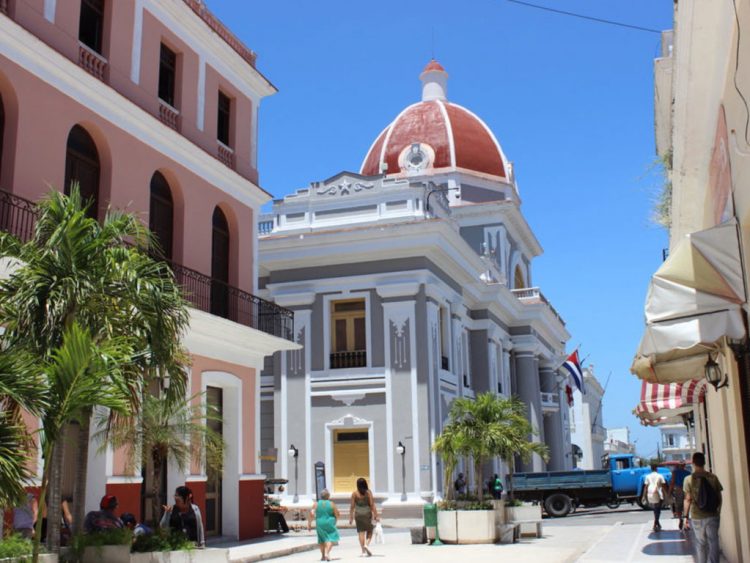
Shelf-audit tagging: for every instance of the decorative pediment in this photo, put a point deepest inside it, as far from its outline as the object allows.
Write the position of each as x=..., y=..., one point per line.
x=349, y=420
x=346, y=186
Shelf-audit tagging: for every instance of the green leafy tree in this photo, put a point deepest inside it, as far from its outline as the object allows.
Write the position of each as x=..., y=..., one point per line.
x=22, y=387
x=101, y=277
x=81, y=374
x=483, y=428
x=168, y=431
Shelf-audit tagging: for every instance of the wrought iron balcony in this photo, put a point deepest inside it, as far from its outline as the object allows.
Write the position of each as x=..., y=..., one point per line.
x=18, y=216
x=342, y=360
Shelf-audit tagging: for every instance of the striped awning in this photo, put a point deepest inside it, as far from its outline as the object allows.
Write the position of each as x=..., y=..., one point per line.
x=662, y=401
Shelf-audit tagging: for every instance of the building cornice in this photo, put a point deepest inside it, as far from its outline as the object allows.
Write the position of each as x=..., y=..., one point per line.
x=36, y=57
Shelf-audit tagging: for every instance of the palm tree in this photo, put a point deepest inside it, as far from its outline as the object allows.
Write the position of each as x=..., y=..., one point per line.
x=100, y=276
x=168, y=431
x=485, y=427
x=81, y=374
x=22, y=387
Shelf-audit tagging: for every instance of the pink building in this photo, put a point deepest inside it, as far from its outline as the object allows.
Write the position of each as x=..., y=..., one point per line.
x=152, y=106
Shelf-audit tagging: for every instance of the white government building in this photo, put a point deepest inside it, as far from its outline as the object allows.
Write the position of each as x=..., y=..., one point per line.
x=411, y=283
x=587, y=431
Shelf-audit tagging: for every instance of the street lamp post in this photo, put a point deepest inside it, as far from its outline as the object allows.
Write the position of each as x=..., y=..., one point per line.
x=294, y=452
x=401, y=449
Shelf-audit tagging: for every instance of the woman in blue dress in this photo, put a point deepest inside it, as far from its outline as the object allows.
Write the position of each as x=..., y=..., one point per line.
x=326, y=514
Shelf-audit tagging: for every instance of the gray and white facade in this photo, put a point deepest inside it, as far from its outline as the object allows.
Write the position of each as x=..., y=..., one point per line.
x=410, y=288
x=587, y=431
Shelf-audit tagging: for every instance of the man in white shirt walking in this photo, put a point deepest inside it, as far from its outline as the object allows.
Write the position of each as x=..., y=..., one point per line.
x=655, y=485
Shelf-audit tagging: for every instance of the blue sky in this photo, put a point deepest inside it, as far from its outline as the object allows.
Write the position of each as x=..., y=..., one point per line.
x=571, y=102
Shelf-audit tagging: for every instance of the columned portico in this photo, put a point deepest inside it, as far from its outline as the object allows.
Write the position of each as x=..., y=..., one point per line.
x=527, y=379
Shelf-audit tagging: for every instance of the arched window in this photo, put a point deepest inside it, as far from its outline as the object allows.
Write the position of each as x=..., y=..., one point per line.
x=518, y=280
x=161, y=214
x=220, y=265
x=82, y=166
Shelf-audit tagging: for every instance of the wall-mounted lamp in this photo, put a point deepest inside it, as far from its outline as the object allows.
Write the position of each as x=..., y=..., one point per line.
x=714, y=374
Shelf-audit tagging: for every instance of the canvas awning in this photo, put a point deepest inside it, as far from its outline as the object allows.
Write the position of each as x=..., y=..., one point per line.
x=694, y=300
x=661, y=402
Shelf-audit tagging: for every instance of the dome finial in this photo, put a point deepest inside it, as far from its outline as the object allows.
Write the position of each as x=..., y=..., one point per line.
x=434, y=82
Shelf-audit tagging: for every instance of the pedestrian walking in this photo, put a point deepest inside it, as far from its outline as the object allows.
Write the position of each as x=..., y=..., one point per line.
x=497, y=487
x=326, y=514
x=677, y=492
x=460, y=484
x=703, y=507
x=184, y=516
x=655, y=485
x=364, y=513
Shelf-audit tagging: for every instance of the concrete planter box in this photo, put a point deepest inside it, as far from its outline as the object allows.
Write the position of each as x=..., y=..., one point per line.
x=121, y=554
x=447, y=526
x=195, y=556
x=43, y=558
x=467, y=526
x=108, y=553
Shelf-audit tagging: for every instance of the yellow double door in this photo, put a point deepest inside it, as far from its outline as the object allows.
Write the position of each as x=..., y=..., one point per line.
x=351, y=459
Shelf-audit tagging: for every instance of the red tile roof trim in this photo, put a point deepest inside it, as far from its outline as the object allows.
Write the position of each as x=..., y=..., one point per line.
x=199, y=7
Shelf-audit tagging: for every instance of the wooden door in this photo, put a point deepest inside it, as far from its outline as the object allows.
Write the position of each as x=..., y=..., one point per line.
x=351, y=459
x=215, y=398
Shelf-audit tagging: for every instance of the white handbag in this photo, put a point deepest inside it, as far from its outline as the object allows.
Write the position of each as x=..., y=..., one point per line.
x=377, y=533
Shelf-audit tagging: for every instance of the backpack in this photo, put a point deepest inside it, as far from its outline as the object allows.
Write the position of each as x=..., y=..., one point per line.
x=707, y=499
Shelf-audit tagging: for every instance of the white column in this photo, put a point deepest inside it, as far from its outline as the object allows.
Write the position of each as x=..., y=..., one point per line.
x=201, y=109
x=135, y=53
x=49, y=10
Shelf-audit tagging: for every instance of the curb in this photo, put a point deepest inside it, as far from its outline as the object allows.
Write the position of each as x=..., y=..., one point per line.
x=274, y=554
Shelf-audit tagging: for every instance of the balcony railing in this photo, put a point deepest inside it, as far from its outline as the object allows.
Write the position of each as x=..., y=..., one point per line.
x=533, y=295
x=18, y=216
x=93, y=62
x=226, y=155
x=342, y=360
x=169, y=115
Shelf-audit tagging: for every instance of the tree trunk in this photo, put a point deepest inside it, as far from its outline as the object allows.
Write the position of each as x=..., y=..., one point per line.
x=82, y=464
x=478, y=477
x=156, y=499
x=42, y=501
x=54, y=498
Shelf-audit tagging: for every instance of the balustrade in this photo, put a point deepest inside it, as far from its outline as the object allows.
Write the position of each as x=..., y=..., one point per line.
x=93, y=62
x=354, y=359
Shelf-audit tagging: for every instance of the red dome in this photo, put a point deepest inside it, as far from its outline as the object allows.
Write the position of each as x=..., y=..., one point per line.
x=455, y=138
x=433, y=65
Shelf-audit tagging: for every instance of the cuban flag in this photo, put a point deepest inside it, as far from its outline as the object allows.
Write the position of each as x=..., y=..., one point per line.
x=573, y=366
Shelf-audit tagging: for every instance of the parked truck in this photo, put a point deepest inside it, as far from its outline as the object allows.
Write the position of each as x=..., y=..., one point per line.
x=560, y=492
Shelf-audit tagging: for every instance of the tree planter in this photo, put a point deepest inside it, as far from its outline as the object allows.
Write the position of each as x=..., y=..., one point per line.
x=195, y=556
x=121, y=554
x=467, y=526
x=108, y=553
x=43, y=558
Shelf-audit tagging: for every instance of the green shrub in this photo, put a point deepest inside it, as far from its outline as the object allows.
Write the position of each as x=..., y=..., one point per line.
x=15, y=546
x=162, y=540
x=464, y=505
x=513, y=502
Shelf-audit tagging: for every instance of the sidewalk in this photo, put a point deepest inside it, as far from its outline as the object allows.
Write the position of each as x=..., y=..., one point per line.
x=603, y=543
x=636, y=543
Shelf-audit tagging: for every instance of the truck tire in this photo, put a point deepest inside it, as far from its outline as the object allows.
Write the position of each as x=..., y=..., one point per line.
x=613, y=503
x=558, y=505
